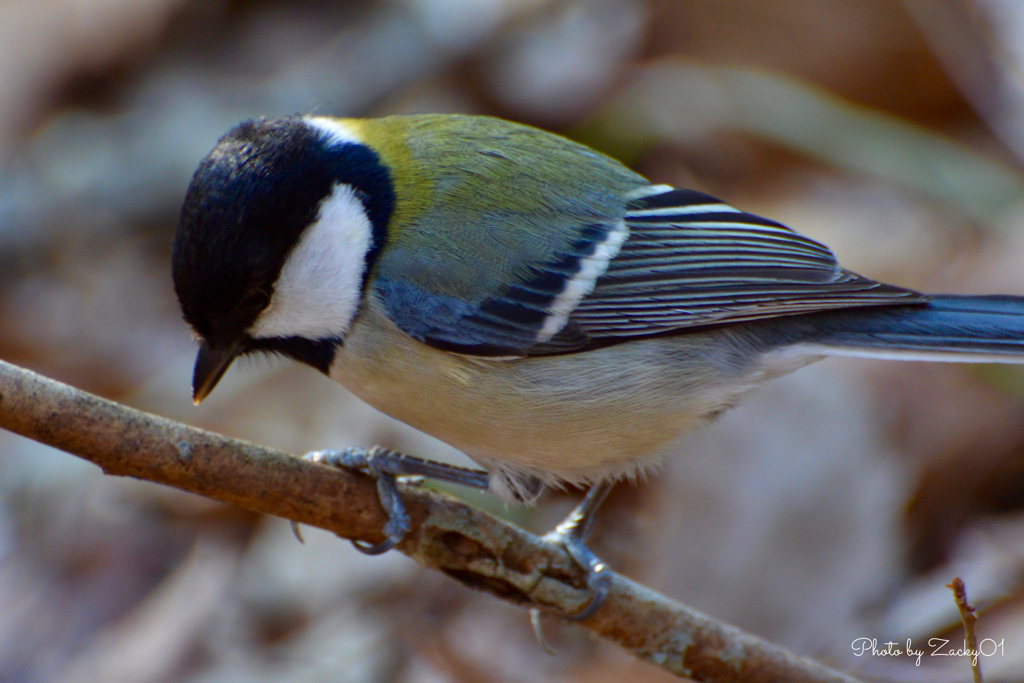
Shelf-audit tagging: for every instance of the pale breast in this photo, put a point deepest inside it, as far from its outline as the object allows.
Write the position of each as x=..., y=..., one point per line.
x=572, y=418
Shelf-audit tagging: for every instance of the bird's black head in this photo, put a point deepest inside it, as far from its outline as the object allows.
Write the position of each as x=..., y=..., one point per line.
x=246, y=209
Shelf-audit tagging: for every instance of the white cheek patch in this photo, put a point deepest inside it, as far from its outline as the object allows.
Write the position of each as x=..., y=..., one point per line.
x=318, y=291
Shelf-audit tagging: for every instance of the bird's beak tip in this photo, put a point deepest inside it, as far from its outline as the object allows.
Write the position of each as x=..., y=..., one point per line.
x=211, y=364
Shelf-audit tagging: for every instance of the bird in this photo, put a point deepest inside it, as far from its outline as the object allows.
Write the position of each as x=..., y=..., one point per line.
x=530, y=301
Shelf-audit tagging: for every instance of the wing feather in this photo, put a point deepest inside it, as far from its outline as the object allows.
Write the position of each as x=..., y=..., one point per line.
x=593, y=274
x=692, y=260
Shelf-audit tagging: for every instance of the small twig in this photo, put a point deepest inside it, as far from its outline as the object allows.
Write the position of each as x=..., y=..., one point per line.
x=445, y=534
x=967, y=616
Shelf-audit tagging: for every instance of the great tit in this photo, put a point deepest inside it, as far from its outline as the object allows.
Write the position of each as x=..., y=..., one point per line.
x=524, y=298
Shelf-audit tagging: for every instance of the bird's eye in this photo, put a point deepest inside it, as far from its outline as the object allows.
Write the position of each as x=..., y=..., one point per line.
x=254, y=301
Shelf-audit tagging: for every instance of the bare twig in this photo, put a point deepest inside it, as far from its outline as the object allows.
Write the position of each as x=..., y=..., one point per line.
x=464, y=543
x=967, y=616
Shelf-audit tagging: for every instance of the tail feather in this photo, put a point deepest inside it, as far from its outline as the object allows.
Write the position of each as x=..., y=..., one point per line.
x=949, y=327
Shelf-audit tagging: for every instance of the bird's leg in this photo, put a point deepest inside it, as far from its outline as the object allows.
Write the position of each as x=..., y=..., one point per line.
x=572, y=533
x=384, y=466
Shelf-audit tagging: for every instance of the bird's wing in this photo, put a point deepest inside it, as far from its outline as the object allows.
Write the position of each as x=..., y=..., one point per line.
x=578, y=278
x=460, y=306
x=518, y=226
x=691, y=260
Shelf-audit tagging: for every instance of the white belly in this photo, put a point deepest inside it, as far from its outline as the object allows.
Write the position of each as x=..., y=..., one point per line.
x=575, y=418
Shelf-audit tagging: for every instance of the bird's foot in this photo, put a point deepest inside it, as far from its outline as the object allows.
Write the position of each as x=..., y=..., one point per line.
x=377, y=462
x=571, y=535
x=385, y=466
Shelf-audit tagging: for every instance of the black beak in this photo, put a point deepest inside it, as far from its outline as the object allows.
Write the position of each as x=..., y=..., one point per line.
x=211, y=364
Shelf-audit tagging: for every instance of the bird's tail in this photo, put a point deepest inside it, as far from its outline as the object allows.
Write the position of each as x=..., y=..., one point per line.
x=968, y=329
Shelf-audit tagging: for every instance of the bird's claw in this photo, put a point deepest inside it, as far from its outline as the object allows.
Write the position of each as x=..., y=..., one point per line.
x=571, y=535
x=599, y=579
x=373, y=461
x=538, y=630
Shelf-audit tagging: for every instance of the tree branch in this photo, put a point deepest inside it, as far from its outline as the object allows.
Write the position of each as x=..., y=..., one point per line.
x=968, y=618
x=447, y=535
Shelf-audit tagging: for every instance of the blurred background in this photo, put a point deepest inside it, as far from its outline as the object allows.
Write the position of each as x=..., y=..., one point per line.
x=834, y=504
